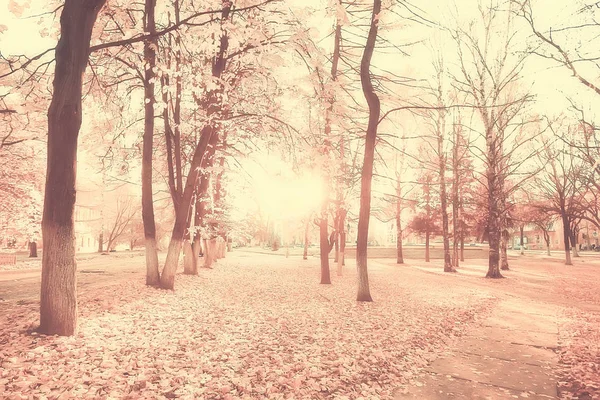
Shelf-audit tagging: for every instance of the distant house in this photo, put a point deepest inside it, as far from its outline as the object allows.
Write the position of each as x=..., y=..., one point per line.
x=533, y=236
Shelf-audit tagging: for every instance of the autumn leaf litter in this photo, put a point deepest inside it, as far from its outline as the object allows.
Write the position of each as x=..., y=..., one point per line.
x=240, y=331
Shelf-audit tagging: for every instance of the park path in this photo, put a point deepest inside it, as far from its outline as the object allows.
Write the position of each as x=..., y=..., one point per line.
x=510, y=355
x=513, y=352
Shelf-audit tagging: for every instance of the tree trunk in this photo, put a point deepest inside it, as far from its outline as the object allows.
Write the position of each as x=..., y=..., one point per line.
x=445, y=229
x=574, y=245
x=58, y=300
x=427, y=246
x=211, y=249
x=101, y=243
x=109, y=245
x=324, y=248
x=336, y=253
x=441, y=127
x=462, y=247
x=494, y=198
x=399, y=255
x=305, y=254
x=504, y=249
x=33, y=250
x=521, y=231
x=190, y=260
x=220, y=248
x=364, y=214
x=566, y=238
x=341, y=236
x=152, y=274
x=547, y=239
x=455, y=195
x=197, y=249
x=208, y=254
x=340, y=262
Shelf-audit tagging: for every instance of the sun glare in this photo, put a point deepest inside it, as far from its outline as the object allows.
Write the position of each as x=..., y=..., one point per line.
x=289, y=197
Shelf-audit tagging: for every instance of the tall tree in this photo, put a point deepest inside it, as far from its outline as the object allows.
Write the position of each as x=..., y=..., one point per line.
x=150, y=46
x=364, y=293
x=58, y=302
x=490, y=73
x=440, y=136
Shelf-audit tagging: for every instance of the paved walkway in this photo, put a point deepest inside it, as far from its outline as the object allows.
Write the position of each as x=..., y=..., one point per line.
x=511, y=355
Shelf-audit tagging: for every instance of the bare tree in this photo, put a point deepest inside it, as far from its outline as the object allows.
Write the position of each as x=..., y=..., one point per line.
x=364, y=293
x=490, y=78
x=559, y=186
x=124, y=216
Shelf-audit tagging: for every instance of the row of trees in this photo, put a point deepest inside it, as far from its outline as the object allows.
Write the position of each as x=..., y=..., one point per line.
x=211, y=75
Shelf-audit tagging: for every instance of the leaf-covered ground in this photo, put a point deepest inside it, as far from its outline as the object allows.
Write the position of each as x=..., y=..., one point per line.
x=580, y=355
x=254, y=327
x=580, y=332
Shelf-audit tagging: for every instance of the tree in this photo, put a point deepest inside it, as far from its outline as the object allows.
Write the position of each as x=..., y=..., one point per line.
x=399, y=204
x=490, y=79
x=439, y=149
x=122, y=221
x=152, y=273
x=542, y=220
x=369, y=155
x=462, y=171
x=58, y=302
x=324, y=89
x=558, y=185
x=425, y=222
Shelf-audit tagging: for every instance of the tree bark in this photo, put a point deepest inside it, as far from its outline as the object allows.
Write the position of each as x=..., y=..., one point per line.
x=504, y=250
x=33, y=250
x=427, y=189
x=58, y=300
x=305, y=254
x=342, y=239
x=455, y=196
x=190, y=262
x=336, y=251
x=444, y=204
x=399, y=255
x=566, y=238
x=427, y=247
x=364, y=293
x=197, y=249
x=494, y=193
x=208, y=254
x=101, y=242
x=324, y=247
x=574, y=244
x=522, y=233
x=152, y=273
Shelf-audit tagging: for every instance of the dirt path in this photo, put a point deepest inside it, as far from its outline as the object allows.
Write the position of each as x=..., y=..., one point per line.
x=23, y=285
x=521, y=349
